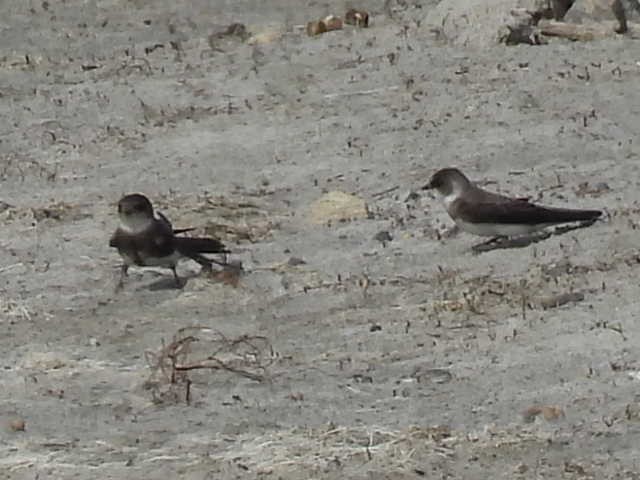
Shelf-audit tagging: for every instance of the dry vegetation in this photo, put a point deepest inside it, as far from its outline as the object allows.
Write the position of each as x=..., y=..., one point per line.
x=363, y=339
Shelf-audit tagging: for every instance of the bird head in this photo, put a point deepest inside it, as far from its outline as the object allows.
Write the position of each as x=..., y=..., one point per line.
x=135, y=212
x=448, y=181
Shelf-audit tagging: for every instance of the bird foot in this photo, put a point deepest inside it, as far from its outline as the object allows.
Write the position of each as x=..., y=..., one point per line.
x=490, y=244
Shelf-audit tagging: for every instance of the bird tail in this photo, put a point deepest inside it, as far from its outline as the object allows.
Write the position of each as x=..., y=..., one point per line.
x=194, y=245
x=178, y=231
x=562, y=215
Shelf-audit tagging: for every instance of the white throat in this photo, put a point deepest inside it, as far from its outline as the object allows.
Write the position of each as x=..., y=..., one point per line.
x=135, y=223
x=451, y=197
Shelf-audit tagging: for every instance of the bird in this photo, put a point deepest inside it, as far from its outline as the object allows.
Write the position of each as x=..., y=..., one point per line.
x=147, y=239
x=489, y=214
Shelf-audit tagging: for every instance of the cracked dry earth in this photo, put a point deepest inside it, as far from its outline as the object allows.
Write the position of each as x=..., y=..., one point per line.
x=405, y=358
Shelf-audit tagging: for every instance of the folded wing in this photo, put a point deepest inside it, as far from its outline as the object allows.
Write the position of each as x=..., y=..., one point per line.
x=187, y=245
x=520, y=212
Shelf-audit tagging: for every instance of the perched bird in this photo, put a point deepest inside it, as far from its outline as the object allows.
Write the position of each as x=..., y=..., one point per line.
x=488, y=214
x=147, y=239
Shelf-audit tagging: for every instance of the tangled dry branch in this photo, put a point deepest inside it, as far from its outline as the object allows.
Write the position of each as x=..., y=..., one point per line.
x=202, y=348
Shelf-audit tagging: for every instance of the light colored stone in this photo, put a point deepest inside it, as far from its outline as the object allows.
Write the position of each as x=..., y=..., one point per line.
x=17, y=425
x=269, y=34
x=337, y=206
x=45, y=361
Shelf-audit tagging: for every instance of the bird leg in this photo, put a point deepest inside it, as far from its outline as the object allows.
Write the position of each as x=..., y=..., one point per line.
x=176, y=277
x=222, y=263
x=124, y=272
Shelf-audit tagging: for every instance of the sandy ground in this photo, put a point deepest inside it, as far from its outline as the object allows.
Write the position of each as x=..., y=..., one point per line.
x=410, y=358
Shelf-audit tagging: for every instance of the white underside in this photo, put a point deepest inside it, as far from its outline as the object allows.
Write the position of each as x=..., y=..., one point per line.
x=135, y=223
x=497, y=229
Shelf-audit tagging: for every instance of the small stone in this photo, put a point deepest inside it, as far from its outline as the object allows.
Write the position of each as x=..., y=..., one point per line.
x=17, y=425
x=295, y=261
x=238, y=30
x=548, y=412
x=359, y=18
x=267, y=36
x=522, y=468
x=411, y=197
x=383, y=236
x=316, y=28
x=552, y=413
x=332, y=23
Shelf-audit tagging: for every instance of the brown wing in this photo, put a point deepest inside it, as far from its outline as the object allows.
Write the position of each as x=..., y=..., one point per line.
x=479, y=195
x=157, y=241
x=199, y=245
x=176, y=231
x=514, y=211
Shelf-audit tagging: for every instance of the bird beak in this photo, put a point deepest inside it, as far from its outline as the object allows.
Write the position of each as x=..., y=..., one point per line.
x=428, y=186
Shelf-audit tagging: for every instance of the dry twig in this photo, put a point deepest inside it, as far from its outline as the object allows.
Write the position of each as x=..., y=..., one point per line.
x=247, y=356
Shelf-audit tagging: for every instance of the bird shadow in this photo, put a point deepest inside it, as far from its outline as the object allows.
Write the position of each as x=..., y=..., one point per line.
x=169, y=283
x=501, y=243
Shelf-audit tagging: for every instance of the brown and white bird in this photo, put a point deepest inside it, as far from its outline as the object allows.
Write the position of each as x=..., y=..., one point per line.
x=147, y=239
x=489, y=214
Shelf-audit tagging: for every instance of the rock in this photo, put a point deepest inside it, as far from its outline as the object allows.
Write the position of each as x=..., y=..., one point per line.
x=295, y=261
x=45, y=361
x=233, y=30
x=17, y=425
x=269, y=34
x=359, y=18
x=336, y=206
x=316, y=28
x=327, y=24
x=332, y=22
x=383, y=237
x=4, y=206
x=556, y=301
x=480, y=23
x=550, y=413
x=411, y=197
